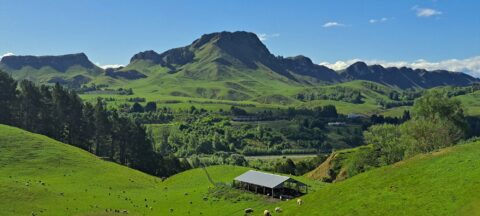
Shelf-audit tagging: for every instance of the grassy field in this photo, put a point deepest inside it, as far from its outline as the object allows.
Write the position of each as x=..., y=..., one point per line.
x=471, y=102
x=263, y=94
x=442, y=183
x=178, y=91
x=45, y=177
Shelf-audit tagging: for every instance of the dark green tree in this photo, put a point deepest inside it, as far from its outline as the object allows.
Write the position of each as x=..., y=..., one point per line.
x=8, y=98
x=151, y=107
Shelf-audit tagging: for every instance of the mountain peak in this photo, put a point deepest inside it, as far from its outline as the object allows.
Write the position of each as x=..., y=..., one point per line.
x=302, y=59
x=358, y=66
x=60, y=62
x=404, y=77
x=225, y=37
x=146, y=55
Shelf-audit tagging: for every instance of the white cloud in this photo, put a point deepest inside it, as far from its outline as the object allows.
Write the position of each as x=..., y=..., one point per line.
x=381, y=20
x=264, y=36
x=426, y=12
x=109, y=65
x=7, y=54
x=333, y=24
x=468, y=65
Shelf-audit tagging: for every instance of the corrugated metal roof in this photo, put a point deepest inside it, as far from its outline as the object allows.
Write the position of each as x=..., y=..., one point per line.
x=262, y=179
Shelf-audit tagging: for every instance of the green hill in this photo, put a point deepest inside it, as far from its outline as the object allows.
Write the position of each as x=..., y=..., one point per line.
x=442, y=183
x=40, y=176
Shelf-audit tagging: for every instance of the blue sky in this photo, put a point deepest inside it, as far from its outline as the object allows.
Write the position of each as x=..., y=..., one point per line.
x=429, y=33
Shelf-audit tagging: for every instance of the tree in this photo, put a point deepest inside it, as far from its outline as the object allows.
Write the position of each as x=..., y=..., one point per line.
x=102, y=126
x=89, y=126
x=422, y=136
x=8, y=93
x=438, y=122
x=30, y=105
x=435, y=105
x=287, y=167
x=386, y=140
x=137, y=108
x=151, y=107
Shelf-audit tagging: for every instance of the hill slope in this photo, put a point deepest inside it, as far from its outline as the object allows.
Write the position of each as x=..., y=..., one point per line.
x=46, y=177
x=42, y=176
x=442, y=183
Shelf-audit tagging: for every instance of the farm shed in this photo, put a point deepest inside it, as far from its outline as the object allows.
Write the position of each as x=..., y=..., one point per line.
x=270, y=184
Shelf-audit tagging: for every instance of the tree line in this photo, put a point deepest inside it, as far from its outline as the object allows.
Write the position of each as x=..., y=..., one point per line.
x=60, y=114
x=438, y=121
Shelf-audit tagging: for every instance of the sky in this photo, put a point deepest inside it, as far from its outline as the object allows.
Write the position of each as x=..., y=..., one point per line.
x=432, y=34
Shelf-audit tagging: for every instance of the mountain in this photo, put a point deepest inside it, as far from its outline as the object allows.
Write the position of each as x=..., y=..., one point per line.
x=406, y=77
x=71, y=69
x=224, y=66
x=60, y=63
x=220, y=55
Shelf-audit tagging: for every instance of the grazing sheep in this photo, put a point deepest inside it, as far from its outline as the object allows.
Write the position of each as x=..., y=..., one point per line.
x=267, y=213
x=278, y=210
x=299, y=201
x=248, y=210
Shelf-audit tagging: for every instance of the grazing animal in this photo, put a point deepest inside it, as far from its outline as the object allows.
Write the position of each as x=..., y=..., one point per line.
x=278, y=210
x=299, y=201
x=248, y=210
x=267, y=213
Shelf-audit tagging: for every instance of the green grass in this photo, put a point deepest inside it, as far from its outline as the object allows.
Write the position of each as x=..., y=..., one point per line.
x=471, y=102
x=46, y=177
x=441, y=183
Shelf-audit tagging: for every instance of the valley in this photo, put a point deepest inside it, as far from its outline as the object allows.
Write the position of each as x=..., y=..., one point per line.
x=167, y=133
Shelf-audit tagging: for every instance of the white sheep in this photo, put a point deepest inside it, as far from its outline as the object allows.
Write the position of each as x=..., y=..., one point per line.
x=299, y=201
x=267, y=213
x=278, y=210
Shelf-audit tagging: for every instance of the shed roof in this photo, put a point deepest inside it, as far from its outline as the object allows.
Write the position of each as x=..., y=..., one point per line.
x=262, y=179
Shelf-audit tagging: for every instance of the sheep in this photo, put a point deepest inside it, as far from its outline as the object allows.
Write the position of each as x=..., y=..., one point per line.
x=278, y=210
x=299, y=201
x=267, y=213
x=248, y=210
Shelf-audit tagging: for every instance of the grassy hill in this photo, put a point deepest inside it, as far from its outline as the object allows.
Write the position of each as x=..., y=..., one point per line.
x=442, y=183
x=45, y=177
x=40, y=176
